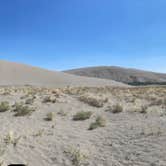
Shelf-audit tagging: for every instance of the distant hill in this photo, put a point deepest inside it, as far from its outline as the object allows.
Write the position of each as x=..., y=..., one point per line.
x=125, y=75
x=19, y=74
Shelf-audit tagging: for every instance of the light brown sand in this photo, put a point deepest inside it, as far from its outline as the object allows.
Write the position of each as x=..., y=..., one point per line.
x=19, y=74
x=129, y=137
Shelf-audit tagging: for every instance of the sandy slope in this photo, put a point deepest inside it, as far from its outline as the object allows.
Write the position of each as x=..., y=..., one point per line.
x=120, y=74
x=19, y=74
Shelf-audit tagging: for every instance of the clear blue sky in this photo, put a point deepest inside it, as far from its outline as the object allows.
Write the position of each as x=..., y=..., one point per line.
x=64, y=34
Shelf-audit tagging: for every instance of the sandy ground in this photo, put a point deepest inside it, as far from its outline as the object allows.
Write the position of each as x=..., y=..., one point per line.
x=130, y=138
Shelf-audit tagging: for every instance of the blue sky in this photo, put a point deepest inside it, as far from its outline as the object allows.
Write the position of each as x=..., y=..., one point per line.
x=64, y=34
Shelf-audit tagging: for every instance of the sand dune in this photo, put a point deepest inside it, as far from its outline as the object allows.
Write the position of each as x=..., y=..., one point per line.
x=125, y=75
x=20, y=74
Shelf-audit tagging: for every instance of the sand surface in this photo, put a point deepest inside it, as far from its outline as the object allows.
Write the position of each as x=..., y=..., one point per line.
x=19, y=74
x=129, y=138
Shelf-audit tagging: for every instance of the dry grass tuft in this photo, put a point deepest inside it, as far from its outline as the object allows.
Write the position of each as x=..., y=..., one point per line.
x=4, y=106
x=10, y=138
x=78, y=157
x=144, y=109
x=29, y=101
x=82, y=115
x=114, y=109
x=49, y=99
x=100, y=122
x=50, y=116
x=22, y=110
x=93, y=100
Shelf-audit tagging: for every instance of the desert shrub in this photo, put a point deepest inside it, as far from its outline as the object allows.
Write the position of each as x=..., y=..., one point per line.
x=17, y=104
x=93, y=100
x=50, y=116
x=57, y=92
x=29, y=101
x=143, y=109
x=49, y=99
x=22, y=110
x=24, y=97
x=156, y=102
x=108, y=109
x=10, y=138
x=4, y=106
x=6, y=92
x=78, y=157
x=115, y=108
x=100, y=122
x=82, y=115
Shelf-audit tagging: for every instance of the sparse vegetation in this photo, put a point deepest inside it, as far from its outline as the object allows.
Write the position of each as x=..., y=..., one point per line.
x=50, y=116
x=92, y=135
x=4, y=106
x=10, y=138
x=78, y=158
x=49, y=99
x=24, y=97
x=29, y=101
x=93, y=100
x=82, y=115
x=6, y=92
x=143, y=109
x=100, y=122
x=22, y=110
x=115, y=108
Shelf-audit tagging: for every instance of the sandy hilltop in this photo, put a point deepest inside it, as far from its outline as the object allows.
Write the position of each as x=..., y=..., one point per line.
x=51, y=118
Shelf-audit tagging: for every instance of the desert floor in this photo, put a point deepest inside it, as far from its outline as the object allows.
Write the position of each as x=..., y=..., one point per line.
x=42, y=127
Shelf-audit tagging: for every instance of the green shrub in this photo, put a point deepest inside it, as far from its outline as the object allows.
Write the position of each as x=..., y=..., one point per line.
x=82, y=115
x=100, y=122
x=22, y=110
x=4, y=106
